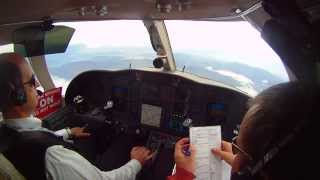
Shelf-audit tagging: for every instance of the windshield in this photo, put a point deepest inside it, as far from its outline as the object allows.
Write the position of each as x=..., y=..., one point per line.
x=102, y=45
x=230, y=52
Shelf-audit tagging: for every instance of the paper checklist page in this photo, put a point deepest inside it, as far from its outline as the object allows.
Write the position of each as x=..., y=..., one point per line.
x=208, y=167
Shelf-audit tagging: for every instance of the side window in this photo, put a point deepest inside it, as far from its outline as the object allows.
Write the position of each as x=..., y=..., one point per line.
x=6, y=48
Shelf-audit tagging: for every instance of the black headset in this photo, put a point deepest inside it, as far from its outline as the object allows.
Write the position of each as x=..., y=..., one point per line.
x=15, y=87
x=18, y=96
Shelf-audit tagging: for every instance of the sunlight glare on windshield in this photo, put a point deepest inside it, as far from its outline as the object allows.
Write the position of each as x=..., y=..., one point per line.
x=230, y=52
x=98, y=34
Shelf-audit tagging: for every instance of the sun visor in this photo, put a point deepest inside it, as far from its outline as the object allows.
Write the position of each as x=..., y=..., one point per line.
x=35, y=41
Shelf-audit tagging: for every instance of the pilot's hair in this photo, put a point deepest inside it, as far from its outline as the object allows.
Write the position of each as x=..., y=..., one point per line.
x=10, y=77
x=281, y=110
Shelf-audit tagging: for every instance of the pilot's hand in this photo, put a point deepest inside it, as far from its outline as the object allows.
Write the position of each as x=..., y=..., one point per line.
x=184, y=155
x=140, y=153
x=225, y=153
x=78, y=132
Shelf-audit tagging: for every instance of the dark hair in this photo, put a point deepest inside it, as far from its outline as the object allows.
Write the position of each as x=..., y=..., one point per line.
x=280, y=110
x=10, y=80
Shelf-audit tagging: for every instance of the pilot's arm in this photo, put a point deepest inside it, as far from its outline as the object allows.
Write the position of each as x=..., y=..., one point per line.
x=77, y=132
x=62, y=163
x=184, y=157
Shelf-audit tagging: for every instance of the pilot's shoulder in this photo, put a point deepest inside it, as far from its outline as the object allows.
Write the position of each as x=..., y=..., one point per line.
x=59, y=150
x=59, y=153
x=63, y=163
x=39, y=140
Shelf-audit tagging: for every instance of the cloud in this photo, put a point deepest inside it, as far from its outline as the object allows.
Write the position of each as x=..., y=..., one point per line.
x=247, y=85
x=61, y=82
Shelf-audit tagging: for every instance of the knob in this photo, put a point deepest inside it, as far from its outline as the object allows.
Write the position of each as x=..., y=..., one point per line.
x=187, y=122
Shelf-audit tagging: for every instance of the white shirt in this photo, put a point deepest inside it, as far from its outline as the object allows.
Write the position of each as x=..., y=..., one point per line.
x=65, y=164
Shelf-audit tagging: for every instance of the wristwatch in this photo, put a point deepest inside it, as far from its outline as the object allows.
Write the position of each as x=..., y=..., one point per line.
x=69, y=132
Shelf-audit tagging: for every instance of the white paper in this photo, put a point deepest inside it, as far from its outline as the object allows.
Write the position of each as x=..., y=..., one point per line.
x=208, y=167
x=226, y=171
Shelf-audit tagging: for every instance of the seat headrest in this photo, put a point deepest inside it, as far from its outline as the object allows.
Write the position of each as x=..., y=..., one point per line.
x=8, y=171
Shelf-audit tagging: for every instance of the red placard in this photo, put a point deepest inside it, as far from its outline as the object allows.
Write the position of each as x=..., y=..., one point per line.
x=49, y=102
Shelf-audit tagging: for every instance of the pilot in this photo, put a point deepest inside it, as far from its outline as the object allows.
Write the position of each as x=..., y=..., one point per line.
x=37, y=152
x=277, y=136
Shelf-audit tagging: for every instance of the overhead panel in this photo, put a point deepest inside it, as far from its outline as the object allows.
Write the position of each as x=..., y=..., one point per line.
x=14, y=11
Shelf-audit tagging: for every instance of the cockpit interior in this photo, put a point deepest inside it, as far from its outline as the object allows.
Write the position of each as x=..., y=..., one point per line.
x=156, y=106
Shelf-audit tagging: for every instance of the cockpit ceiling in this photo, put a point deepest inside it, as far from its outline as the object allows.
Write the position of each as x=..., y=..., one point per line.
x=16, y=11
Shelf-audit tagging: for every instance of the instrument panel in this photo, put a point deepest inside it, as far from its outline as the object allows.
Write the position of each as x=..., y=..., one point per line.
x=155, y=100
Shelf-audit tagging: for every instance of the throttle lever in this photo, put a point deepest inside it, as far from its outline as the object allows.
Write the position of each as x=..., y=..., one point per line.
x=155, y=153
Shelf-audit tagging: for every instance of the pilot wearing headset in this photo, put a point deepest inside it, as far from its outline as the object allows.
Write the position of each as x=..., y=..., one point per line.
x=276, y=138
x=37, y=152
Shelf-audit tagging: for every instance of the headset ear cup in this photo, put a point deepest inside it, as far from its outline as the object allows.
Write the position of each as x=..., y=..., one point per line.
x=22, y=98
x=19, y=96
